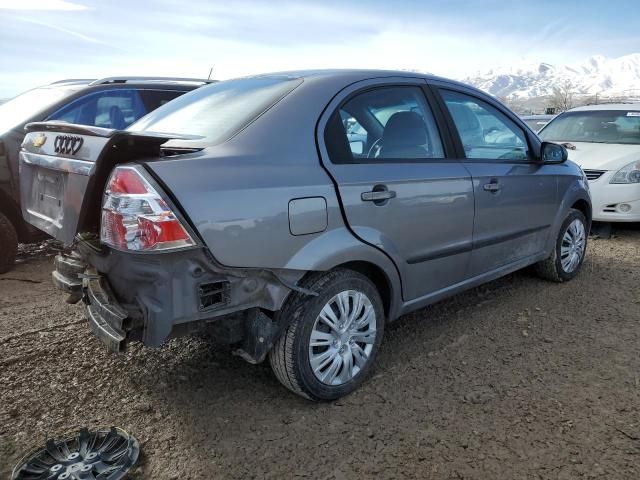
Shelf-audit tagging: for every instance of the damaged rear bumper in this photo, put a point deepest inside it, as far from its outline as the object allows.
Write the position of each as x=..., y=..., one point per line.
x=67, y=276
x=152, y=298
x=106, y=317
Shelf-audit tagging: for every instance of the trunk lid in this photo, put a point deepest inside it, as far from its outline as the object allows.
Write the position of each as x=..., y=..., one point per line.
x=64, y=167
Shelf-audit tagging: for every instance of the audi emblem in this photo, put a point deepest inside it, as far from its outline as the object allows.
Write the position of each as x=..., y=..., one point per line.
x=67, y=144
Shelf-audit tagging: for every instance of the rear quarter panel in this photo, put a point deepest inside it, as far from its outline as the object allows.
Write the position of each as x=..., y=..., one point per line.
x=240, y=205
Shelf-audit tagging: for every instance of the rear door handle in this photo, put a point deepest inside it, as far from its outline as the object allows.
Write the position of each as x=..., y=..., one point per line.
x=492, y=186
x=377, y=195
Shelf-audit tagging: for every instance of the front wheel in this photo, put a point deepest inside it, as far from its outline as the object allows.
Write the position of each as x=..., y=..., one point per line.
x=569, y=251
x=332, y=340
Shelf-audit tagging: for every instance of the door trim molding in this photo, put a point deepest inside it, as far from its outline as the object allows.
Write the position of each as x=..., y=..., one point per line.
x=485, y=242
x=443, y=252
x=469, y=246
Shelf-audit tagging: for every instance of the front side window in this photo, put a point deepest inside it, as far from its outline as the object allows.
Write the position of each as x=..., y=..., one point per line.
x=388, y=123
x=109, y=109
x=485, y=132
x=600, y=126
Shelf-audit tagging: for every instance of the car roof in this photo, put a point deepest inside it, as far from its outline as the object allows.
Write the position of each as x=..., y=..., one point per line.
x=607, y=106
x=340, y=78
x=362, y=74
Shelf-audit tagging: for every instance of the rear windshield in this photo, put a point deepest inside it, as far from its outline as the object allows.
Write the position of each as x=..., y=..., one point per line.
x=602, y=126
x=220, y=110
x=24, y=107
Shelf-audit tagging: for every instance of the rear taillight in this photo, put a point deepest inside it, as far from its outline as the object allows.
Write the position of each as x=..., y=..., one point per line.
x=135, y=216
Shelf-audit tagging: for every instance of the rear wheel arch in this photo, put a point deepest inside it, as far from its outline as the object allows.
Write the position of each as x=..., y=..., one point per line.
x=373, y=272
x=377, y=276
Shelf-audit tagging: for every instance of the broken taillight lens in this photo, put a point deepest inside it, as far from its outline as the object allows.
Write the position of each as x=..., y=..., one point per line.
x=136, y=217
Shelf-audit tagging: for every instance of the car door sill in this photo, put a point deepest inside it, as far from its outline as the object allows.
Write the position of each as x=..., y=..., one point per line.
x=433, y=297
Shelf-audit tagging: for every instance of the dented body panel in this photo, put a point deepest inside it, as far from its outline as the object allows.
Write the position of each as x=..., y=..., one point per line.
x=162, y=294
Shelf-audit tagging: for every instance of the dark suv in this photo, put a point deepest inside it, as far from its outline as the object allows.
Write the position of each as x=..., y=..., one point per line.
x=114, y=102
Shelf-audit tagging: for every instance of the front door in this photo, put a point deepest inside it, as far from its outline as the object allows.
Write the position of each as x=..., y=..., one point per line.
x=399, y=191
x=515, y=195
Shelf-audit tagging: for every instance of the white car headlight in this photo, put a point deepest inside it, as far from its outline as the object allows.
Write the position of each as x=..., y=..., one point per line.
x=628, y=174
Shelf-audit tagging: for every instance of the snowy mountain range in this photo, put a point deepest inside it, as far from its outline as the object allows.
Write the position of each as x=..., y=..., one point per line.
x=606, y=77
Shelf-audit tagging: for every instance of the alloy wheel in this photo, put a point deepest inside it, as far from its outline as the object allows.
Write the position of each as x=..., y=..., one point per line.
x=573, y=246
x=342, y=338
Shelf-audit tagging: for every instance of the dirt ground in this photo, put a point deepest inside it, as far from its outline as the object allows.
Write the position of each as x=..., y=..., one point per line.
x=519, y=378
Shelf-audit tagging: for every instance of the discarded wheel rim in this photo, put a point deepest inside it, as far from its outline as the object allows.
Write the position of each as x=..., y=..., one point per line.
x=101, y=455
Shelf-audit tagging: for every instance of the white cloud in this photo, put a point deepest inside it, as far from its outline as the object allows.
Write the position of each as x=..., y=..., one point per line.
x=67, y=31
x=40, y=5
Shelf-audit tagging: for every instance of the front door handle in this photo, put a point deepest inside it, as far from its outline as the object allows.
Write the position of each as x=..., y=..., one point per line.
x=492, y=186
x=377, y=195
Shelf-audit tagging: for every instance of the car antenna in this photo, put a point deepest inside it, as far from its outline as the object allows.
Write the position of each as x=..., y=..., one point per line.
x=210, y=72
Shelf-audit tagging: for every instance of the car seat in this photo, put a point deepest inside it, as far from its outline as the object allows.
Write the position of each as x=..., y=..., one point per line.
x=405, y=136
x=116, y=118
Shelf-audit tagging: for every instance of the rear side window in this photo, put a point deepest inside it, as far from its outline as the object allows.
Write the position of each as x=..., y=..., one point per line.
x=109, y=109
x=220, y=110
x=485, y=132
x=384, y=124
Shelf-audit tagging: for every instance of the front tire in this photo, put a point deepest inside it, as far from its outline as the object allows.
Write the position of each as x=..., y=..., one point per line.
x=332, y=340
x=568, y=254
x=8, y=244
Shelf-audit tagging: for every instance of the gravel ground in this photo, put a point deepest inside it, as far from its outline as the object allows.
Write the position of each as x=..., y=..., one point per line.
x=519, y=378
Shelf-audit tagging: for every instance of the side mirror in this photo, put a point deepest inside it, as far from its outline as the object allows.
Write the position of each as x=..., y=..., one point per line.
x=553, y=153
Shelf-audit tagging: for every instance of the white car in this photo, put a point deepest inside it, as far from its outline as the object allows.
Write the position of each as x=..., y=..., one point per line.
x=605, y=141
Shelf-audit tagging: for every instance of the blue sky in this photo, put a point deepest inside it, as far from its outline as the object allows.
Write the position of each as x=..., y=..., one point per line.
x=46, y=40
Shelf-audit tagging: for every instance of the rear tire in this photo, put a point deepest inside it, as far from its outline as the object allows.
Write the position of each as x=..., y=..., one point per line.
x=343, y=354
x=8, y=244
x=568, y=253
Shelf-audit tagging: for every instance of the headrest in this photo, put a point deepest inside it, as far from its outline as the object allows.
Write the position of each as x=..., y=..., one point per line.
x=404, y=129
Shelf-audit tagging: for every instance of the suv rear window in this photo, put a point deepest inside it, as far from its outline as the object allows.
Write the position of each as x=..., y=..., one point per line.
x=220, y=110
x=25, y=106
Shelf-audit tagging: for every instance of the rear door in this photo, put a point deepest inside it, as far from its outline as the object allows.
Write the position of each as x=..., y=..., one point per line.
x=388, y=156
x=515, y=194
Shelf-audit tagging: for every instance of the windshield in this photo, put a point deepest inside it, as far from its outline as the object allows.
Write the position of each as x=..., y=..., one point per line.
x=602, y=126
x=23, y=107
x=218, y=111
